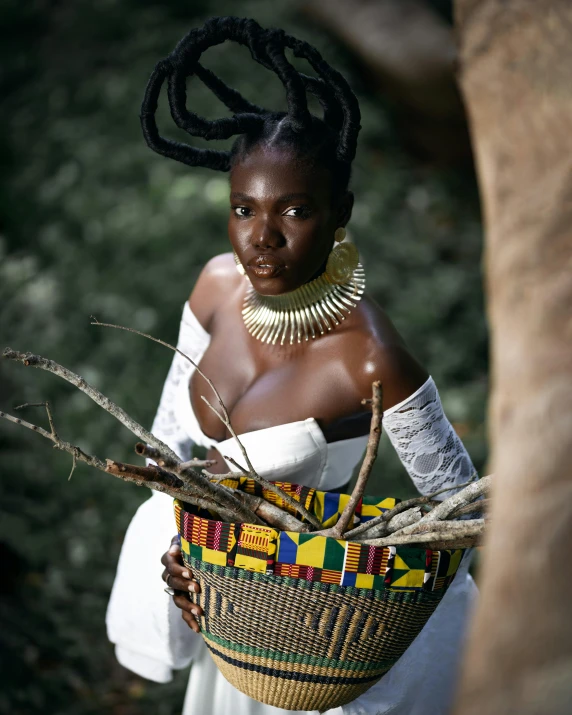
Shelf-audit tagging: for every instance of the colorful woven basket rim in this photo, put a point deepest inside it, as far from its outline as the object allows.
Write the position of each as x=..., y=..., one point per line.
x=312, y=557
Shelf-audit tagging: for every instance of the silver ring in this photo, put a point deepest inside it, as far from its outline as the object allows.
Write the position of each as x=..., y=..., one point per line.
x=170, y=591
x=167, y=579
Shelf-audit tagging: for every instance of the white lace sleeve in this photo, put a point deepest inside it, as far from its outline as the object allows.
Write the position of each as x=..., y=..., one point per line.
x=426, y=443
x=193, y=341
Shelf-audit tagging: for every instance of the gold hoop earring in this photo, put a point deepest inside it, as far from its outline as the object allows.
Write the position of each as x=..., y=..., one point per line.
x=343, y=259
x=239, y=267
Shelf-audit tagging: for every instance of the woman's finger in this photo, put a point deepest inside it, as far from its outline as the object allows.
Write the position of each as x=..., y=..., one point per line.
x=179, y=577
x=176, y=574
x=181, y=584
x=191, y=622
x=185, y=604
x=174, y=552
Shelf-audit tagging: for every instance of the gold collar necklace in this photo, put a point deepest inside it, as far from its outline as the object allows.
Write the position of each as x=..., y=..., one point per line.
x=312, y=309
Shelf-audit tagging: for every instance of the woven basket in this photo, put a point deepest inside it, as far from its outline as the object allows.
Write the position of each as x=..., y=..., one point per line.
x=307, y=622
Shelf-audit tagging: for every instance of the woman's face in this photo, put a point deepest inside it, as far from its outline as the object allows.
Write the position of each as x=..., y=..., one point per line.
x=282, y=219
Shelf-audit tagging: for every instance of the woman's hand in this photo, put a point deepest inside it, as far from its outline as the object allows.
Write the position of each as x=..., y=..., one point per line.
x=180, y=580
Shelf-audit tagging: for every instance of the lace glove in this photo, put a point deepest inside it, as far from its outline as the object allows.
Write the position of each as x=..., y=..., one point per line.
x=426, y=443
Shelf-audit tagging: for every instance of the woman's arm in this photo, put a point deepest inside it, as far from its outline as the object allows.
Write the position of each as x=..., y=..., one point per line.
x=426, y=443
x=414, y=420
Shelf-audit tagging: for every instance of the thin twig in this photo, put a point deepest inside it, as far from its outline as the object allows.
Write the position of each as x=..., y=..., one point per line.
x=196, y=463
x=475, y=507
x=221, y=477
x=58, y=443
x=243, y=471
x=74, y=462
x=337, y=531
x=144, y=450
x=48, y=410
x=31, y=360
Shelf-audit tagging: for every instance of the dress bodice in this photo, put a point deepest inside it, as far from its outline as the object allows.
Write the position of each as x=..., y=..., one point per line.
x=293, y=452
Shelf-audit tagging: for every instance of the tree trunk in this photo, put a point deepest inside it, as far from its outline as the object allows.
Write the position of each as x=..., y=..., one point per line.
x=516, y=76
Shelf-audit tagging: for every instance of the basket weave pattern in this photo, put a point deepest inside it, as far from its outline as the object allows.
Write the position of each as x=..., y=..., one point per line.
x=290, y=620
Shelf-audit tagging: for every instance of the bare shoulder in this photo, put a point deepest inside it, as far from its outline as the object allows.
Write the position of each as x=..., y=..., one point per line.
x=374, y=350
x=216, y=282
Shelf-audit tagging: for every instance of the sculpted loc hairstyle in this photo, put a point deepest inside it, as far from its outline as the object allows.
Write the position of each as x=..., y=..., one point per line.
x=330, y=141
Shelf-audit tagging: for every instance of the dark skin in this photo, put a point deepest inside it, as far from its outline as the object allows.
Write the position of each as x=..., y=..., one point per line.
x=283, y=208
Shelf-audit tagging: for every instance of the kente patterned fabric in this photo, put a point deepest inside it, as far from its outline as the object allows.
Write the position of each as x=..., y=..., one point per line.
x=313, y=557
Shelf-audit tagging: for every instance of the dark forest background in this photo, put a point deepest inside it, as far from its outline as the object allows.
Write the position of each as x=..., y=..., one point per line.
x=94, y=223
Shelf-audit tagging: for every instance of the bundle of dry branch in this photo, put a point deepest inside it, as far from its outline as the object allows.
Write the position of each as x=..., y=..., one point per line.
x=419, y=521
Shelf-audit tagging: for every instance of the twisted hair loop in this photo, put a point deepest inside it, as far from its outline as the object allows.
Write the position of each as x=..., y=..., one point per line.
x=267, y=47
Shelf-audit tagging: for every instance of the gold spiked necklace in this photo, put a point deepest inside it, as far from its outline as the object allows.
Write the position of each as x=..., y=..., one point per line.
x=312, y=309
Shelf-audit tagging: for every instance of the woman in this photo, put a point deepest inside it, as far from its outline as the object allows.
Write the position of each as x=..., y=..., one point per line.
x=293, y=344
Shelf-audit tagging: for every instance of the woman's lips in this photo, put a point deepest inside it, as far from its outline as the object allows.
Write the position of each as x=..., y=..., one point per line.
x=265, y=266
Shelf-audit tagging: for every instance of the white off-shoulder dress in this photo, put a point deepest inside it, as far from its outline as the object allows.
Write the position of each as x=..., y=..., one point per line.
x=150, y=637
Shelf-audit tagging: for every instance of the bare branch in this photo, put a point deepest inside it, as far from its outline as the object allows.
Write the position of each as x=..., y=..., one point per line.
x=406, y=518
x=152, y=473
x=341, y=525
x=472, y=480
x=48, y=410
x=144, y=450
x=473, y=491
x=473, y=508
x=221, y=477
x=31, y=360
x=445, y=527
x=58, y=443
x=467, y=532
x=382, y=520
x=197, y=463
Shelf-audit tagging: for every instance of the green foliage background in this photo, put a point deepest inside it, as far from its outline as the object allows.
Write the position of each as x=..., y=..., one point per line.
x=94, y=223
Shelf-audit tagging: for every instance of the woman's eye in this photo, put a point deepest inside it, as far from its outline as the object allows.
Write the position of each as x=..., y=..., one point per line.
x=241, y=211
x=298, y=212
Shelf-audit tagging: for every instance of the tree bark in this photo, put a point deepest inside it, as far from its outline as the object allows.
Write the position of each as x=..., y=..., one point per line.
x=516, y=77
